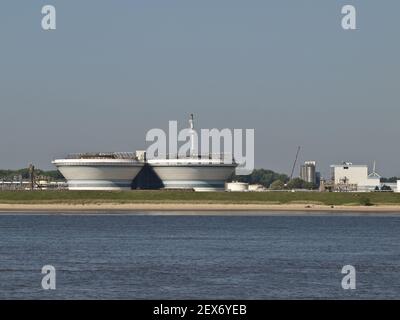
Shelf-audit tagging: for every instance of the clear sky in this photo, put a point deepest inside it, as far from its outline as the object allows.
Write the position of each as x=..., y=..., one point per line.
x=115, y=69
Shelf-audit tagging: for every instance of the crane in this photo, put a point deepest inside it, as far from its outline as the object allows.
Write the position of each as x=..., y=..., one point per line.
x=294, y=163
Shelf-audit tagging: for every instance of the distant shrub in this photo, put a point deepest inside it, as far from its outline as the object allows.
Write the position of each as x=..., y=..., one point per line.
x=277, y=185
x=365, y=201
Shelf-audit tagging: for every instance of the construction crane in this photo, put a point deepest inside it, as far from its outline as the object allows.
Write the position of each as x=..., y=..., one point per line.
x=294, y=163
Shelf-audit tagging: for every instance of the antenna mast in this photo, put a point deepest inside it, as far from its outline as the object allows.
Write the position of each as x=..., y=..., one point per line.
x=191, y=125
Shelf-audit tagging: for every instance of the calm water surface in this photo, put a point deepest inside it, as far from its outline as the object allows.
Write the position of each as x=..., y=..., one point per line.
x=199, y=257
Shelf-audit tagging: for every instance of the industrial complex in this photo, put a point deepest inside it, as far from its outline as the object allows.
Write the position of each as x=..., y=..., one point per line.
x=126, y=171
x=192, y=171
x=345, y=177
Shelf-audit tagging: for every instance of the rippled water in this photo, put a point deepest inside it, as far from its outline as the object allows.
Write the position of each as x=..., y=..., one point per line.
x=213, y=257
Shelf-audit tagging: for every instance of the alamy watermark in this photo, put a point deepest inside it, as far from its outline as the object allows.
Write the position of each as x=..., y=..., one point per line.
x=349, y=18
x=49, y=18
x=349, y=280
x=49, y=280
x=225, y=145
x=348, y=21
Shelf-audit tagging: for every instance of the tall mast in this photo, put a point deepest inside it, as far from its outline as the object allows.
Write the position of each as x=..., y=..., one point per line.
x=191, y=126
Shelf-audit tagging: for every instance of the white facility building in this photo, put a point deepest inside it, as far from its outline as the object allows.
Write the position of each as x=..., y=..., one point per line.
x=351, y=177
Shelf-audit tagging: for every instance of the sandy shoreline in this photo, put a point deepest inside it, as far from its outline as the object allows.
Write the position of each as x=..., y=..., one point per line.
x=196, y=208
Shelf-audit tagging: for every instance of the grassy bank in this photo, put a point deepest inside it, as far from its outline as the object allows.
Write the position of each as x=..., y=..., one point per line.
x=120, y=197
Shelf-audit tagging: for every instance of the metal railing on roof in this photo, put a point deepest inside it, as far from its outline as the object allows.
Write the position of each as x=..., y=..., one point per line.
x=221, y=157
x=102, y=155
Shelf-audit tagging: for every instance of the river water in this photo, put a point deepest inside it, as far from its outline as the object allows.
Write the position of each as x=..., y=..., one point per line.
x=133, y=256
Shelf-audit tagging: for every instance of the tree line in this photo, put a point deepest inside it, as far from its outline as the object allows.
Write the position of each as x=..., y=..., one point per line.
x=24, y=174
x=273, y=180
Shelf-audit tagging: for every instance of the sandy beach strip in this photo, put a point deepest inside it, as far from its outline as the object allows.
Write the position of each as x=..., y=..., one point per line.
x=196, y=208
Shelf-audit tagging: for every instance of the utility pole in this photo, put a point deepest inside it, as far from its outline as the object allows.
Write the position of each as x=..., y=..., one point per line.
x=31, y=175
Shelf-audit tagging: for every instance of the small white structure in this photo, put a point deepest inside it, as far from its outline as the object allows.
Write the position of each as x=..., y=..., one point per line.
x=373, y=180
x=355, y=175
x=256, y=187
x=398, y=186
x=237, y=186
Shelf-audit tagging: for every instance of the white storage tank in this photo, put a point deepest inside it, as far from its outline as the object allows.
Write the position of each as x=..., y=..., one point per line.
x=256, y=187
x=237, y=186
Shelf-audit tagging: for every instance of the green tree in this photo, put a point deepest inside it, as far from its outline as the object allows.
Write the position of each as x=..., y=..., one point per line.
x=389, y=180
x=295, y=183
x=298, y=183
x=261, y=176
x=277, y=185
x=309, y=185
x=10, y=174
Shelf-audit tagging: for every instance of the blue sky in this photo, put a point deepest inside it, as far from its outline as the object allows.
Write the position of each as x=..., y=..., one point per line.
x=115, y=69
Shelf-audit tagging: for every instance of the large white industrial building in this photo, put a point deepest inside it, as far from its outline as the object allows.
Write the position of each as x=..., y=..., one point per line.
x=351, y=177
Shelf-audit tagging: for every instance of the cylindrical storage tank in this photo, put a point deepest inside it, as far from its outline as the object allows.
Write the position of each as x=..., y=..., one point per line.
x=308, y=172
x=192, y=173
x=255, y=187
x=98, y=173
x=303, y=172
x=237, y=186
